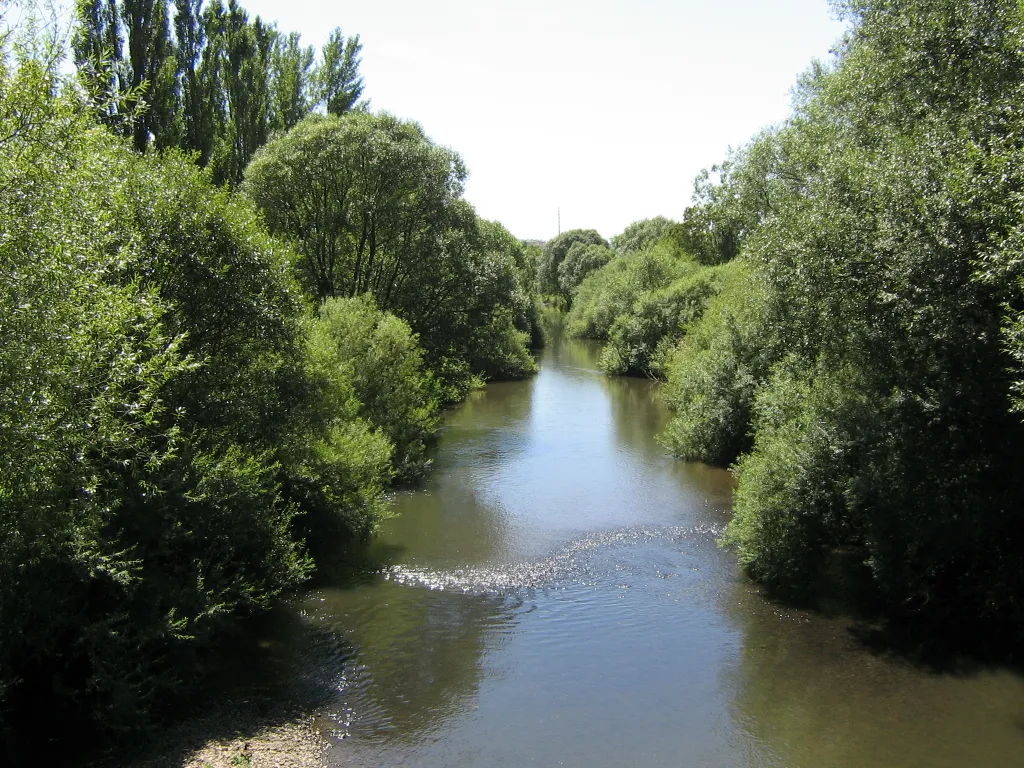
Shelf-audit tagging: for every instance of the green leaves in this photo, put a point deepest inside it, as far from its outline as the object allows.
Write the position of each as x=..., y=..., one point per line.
x=883, y=245
x=374, y=207
x=555, y=252
x=377, y=355
x=150, y=366
x=338, y=84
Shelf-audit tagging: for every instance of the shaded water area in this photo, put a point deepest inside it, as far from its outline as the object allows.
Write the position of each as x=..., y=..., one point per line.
x=554, y=595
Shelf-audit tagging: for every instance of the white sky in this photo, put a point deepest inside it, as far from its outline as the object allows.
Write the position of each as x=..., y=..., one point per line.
x=606, y=109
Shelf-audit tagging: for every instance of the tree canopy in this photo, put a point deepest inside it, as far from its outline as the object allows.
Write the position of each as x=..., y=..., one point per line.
x=374, y=207
x=211, y=80
x=555, y=252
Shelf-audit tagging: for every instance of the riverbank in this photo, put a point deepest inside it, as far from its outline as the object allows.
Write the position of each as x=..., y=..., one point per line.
x=231, y=738
x=294, y=745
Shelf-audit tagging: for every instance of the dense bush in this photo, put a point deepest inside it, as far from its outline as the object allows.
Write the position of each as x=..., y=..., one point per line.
x=555, y=251
x=792, y=506
x=642, y=235
x=581, y=260
x=641, y=337
x=163, y=418
x=134, y=519
x=880, y=351
x=380, y=357
x=611, y=291
x=714, y=371
x=504, y=320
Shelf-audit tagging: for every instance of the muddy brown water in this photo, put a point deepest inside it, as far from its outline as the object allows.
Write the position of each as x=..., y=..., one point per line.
x=554, y=596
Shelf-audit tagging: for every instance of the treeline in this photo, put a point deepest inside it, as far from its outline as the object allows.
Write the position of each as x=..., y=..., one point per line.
x=206, y=78
x=840, y=317
x=195, y=408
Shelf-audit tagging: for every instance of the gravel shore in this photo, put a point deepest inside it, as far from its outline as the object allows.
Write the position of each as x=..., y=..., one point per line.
x=231, y=738
x=294, y=745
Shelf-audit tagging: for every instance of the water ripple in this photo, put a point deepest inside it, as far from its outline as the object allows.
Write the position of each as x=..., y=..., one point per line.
x=571, y=563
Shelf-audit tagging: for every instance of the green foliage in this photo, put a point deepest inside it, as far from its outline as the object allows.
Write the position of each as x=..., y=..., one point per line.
x=173, y=422
x=506, y=283
x=714, y=371
x=501, y=348
x=291, y=75
x=641, y=337
x=791, y=505
x=555, y=251
x=640, y=303
x=379, y=355
x=374, y=207
x=730, y=201
x=367, y=199
x=131, y=528
x=218, y=88
x=165, y=419
x=581, y=260
x=642, y=235
x=338, y=82
x=883, y=236
x=122, y=53
x=612, y=290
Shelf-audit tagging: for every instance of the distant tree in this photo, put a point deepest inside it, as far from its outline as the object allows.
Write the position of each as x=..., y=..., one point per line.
x=582, y=259
x=244, y=75
x=218, y=87
x=368, y=197
x=641, y=235
x=555, y=252
x=732, y=199
x=374, y=206
x=127, y=53
x=196, y=96
x=96, y=46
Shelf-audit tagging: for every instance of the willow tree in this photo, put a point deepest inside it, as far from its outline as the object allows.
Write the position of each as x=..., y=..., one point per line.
x=555, y=252
x=890, y=261
x=374, y=207
x=369, y=199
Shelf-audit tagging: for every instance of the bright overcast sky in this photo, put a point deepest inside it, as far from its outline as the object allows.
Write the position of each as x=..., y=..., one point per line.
x=606, y=109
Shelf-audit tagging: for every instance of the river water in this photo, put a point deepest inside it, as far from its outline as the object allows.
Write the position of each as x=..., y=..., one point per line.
x=555, y=596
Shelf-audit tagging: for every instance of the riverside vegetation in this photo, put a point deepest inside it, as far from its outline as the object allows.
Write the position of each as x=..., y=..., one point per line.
x=840, y=317
x=205, y=372
x=234, y=299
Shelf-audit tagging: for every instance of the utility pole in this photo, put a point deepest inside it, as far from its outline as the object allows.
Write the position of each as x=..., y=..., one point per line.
x=559, y=219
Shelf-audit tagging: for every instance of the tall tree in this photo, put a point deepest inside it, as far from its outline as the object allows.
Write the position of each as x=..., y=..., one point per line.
x=291, y=80
x=150, y=68
x=127, y=58
x=195, y=101
x=96, y=45
x=374, y=206
x=555, y=252
x=244, y=76
x=339, y=84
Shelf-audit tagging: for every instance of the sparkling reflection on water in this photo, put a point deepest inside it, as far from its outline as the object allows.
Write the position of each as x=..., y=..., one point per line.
x=555, y=595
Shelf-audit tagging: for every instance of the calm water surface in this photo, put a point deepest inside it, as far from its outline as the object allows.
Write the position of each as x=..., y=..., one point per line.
x=554, y=596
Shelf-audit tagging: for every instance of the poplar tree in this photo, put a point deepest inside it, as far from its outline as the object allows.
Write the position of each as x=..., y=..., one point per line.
x=339, y=84
x=127, y=58
x=291, y=80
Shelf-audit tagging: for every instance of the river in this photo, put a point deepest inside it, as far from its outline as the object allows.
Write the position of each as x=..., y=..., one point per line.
x=554, y=596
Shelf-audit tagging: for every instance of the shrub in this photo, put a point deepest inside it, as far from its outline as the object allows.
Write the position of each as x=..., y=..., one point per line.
x=380, y=356
x=641, y=337
x=714, y=371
